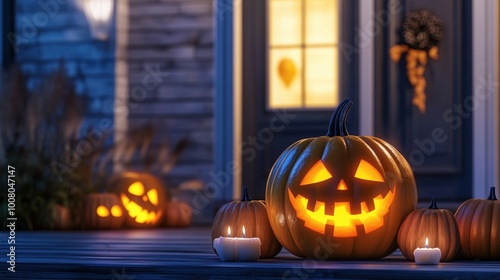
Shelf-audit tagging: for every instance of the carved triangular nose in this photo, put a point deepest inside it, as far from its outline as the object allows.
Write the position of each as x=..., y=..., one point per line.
x=342, y=186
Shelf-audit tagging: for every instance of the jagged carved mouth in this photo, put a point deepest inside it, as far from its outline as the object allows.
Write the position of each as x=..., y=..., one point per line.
x=345, y=224
x=140, y=215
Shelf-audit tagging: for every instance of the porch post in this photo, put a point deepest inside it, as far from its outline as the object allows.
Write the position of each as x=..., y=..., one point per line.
x=224, y=122
x=366, y=73
x=485, y=34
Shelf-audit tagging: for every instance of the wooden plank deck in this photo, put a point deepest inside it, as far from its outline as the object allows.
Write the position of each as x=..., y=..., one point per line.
x=187, y=254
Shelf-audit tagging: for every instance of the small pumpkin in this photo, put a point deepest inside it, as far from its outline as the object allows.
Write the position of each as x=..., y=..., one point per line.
x=479, y=225
x=348, y=191
x=251, y=214
x=55, y=216
x=143, y=196
x=438, y=225
x=62, y=217
x=103, y=211
x=178, y=214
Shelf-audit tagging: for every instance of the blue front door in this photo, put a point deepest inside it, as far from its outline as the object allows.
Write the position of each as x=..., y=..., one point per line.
x=267, y=131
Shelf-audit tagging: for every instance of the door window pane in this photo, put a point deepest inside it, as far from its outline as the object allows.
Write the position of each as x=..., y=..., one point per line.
x=285, y=84
x=303, y=54
x=321, y=77
x=285, y=22
x=320, y=22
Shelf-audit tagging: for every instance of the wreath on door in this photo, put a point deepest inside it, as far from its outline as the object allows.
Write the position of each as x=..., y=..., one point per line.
x=421, y=32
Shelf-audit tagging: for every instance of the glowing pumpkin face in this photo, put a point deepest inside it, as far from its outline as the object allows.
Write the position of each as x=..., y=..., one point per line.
x=339, y=189
x=103, y=211
x=348, y=212
x=139, y=211
x=143, y=198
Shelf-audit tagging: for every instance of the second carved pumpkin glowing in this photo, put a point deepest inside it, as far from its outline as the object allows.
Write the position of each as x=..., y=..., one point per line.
x=340, y=196
x=138, y=212
x=142, y=196
x=103, y=211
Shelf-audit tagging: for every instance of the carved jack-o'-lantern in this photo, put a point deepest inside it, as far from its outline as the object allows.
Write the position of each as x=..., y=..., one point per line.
x=103, y=211
x=350, y=191
x=142, y=196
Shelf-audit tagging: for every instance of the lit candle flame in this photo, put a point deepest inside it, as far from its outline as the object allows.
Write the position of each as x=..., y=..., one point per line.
x=228, y=231
x=244, y=235
x=426, y=242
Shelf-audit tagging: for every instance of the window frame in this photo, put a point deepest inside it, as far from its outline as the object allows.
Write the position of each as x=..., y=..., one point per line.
x=303, y=46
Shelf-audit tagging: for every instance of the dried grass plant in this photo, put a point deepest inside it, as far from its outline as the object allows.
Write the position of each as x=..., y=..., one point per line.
x=38, y=128
x=138, y=149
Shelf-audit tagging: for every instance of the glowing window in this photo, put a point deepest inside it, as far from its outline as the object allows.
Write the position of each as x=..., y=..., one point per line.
x=303, y=54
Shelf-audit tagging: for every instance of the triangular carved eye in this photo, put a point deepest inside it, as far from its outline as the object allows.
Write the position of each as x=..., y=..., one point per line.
x=317, y=173
x=367, y=172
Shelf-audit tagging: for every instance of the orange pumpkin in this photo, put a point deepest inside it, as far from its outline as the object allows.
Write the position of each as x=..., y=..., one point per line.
x=438, y=225
x=479, y=225
x=103, y=211
x=55, y=216
x=251, y=214
x=340, y=196
x=178, y=214
x=143, y=197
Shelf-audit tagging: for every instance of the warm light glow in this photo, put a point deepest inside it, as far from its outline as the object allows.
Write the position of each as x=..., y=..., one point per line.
x=426, y=242
x=136, y=188
x=285, y=22
x=98, y=13
x=102, y=211
x=303, y=39
x=244, y=233
x=320, y=22
x=100, y=10
x=116, y=211
x=228, y=231
x=366, y=171
x=141, y=215
x=153, y=197
x=343, y=221
x=316, y=174
x=342, y=186
x=285, y=84
x=321, y=77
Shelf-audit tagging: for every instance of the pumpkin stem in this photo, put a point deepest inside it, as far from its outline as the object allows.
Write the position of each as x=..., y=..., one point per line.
x=433, y=204
x=337, y=126
x=492, y=195
x=245, y=196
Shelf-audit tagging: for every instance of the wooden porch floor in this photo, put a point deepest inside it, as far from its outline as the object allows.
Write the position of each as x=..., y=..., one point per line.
x=187, y=254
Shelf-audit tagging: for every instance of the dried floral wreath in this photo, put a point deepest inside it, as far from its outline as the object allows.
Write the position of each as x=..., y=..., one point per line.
x=422, y=31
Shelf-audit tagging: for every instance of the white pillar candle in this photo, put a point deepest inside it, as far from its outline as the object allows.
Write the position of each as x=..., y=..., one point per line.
x=427, y=255
x=237, y=248
x=248, y=249
x=225, y=248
